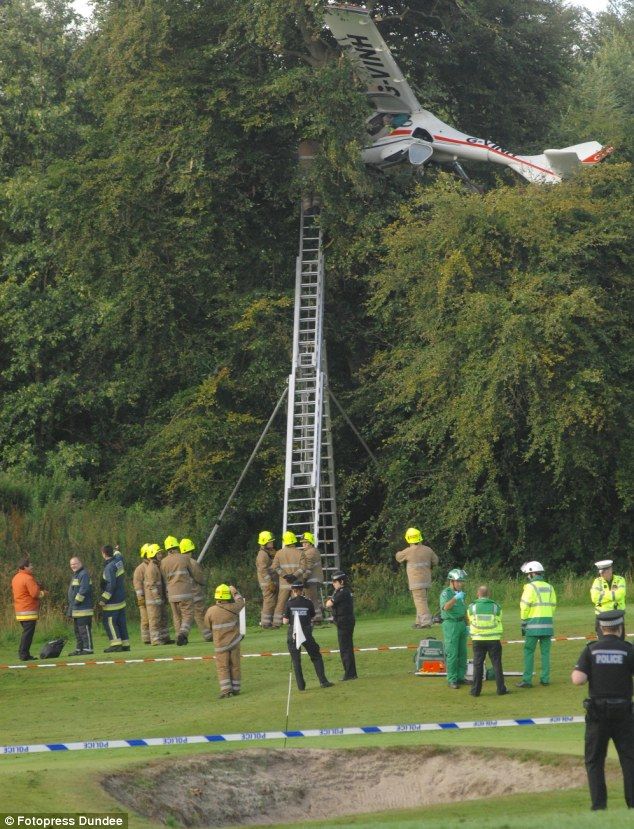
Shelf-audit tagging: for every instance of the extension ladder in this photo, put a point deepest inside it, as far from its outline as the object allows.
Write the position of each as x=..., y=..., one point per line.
x=310, y=502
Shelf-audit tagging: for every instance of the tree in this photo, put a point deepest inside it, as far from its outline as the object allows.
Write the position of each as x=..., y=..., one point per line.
x=503, y=398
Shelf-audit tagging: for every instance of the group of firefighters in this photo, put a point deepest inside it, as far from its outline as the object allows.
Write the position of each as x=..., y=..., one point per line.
x=292, y=580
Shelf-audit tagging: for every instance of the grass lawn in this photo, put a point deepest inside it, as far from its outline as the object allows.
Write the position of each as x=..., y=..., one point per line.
x=173, y=699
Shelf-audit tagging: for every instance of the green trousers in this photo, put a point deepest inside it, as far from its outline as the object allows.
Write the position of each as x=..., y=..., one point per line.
x=530, y=645
x=454, y=635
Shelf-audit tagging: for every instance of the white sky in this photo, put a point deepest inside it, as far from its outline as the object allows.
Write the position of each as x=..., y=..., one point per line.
x=83, y=6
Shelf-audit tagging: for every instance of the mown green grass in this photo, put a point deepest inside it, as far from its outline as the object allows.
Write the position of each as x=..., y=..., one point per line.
x=170, y=699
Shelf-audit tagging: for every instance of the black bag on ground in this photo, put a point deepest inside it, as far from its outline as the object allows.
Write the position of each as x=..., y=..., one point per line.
x=52, y=649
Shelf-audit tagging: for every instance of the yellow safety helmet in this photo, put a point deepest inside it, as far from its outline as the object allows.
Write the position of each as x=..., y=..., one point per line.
x=308, y=537
x=222, y=594
x=152, y=550
x=143, y=550
x=264, y=538
x=187, y=545
x=170, y=543
x=413, y=536
x=289, y=538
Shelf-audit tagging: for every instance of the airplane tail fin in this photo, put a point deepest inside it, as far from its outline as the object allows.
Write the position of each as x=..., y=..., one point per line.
x=553, y=165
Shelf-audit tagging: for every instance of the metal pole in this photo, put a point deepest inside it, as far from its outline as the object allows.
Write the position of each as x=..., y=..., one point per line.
x=353, y=427
x=241, y=478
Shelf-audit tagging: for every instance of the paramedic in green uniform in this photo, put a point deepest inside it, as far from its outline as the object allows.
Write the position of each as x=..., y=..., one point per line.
x=453, y=612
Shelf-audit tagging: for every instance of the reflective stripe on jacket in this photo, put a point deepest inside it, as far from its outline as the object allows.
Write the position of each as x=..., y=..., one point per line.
x=153, y=583
x=485, y=620
x=420, y=559
x=608, y=595
x=176, y=570
x=80, y=595
x=537, y=607
x=312, y=565
x=112, y=584
x=289, y=561
x=137, y=580
x=223, y=619
x=263, y=561
x=26, y=596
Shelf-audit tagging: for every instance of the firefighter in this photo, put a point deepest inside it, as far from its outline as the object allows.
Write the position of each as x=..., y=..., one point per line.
x=187, y=547
x=137, y=583
x=420, y=560
x=267, y=577
x=453, y=612
x=223, y=619
x=288, y=563
x=177, y=572
x=608, y=665
x=607, y=591
x=302, y=608
x=537, y=608
x=26, y=602
x=81, y=607
x=342, y=606
x=314, y=575
x=155, y=597
x=112, y=601
x=485, y=626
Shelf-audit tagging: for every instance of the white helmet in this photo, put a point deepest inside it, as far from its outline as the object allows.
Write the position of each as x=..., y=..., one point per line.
x=532, y=567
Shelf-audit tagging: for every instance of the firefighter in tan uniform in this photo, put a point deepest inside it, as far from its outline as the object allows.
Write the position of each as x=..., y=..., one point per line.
x=223, y=618
x=200, y=603
x=267, y=578
x=178, y=574
x=155, y=597
x=314, y=575
x=139, y=590
x=420, y=560
x=287, y=562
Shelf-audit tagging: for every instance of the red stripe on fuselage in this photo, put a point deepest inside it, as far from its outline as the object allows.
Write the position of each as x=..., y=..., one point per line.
x=517, y=159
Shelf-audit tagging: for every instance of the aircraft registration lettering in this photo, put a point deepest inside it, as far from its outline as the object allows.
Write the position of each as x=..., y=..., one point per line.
x=369, y=57
x=490, y=145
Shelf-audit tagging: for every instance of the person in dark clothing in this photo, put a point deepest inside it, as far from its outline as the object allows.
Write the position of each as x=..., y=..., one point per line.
x=342, y=607
x=608, y=665
x=81, y=607
x=298, y=615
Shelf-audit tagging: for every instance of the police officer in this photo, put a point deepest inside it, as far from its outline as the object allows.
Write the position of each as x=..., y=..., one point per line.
x=298, y=605
x=607, y=591
x=608, y=665
x=341, y=604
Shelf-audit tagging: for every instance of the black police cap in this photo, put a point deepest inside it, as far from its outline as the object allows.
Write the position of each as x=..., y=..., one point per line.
x=340, y=576
x=611, y=618
x=297, y=585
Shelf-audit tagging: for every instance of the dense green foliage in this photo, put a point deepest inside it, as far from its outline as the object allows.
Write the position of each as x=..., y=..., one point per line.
x=148, y=225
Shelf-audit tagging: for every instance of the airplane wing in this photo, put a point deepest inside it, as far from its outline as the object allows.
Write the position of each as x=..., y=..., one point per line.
x=356, y=34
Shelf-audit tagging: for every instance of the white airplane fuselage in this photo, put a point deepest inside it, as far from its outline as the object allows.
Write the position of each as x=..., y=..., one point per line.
x=447, y=145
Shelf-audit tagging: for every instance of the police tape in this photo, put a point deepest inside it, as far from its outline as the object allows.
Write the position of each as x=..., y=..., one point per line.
x=210, y=657
x=258, y=736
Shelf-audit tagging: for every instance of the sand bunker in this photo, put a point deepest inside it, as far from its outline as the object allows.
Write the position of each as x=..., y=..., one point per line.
x=261, y=786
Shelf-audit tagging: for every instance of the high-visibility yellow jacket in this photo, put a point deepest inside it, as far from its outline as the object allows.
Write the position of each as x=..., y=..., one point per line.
x=537, y=607
x=485, y=620
x=608, y=595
